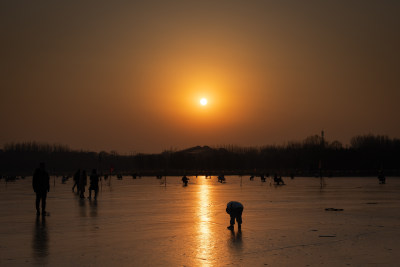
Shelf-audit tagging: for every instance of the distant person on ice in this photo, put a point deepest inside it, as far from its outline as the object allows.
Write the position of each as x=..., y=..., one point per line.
x=76, y=180
x=41, y=185
x=381, y=178
x=82, y=184
x=235, y=209
x=94, y=184
x=185, y=180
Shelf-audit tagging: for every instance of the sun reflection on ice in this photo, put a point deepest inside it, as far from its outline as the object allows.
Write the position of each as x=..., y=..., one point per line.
x=204, y=239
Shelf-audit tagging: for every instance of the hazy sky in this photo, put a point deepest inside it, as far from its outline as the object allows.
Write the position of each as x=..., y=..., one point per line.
x=128, y=75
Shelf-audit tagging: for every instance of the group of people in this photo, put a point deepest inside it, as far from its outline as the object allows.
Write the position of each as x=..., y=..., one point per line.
x=221, y=179
x=185, y=179
x=277, y=180
x=41, y=186
x=80, y=182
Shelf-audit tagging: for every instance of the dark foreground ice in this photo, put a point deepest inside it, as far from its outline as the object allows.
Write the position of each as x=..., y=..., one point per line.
x=145, y=223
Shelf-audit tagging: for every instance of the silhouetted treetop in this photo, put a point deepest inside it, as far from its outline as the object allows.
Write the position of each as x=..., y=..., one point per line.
x=366, y=152
x=374, y=142
x=35, y=147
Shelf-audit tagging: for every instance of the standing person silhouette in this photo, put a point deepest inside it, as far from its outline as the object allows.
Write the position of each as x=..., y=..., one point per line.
x=235, y=209
x=94, y=184
x=41, y=185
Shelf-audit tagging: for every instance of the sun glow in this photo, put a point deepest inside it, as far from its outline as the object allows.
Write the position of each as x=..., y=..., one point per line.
x=203, y=101
x=198, y=106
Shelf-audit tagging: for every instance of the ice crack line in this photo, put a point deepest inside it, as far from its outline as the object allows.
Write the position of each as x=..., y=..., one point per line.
x=311, y=244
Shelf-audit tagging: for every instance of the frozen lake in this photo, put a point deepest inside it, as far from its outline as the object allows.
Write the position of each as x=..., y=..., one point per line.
x=142, y=222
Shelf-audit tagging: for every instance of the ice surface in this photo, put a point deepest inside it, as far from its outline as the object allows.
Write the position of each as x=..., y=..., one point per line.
x=141, y=222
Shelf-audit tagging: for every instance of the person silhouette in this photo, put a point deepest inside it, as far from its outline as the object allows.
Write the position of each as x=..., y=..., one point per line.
x=94, y=184
x=185, y=180
x=235, y=209
x=82, y=184
x=381, y=178
x=76, y=180
x=41, y=185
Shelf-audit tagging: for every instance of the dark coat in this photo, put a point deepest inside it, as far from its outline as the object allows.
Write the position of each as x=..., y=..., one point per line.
x=41, y=181
x=233, y=207
x=94, y=181
x=82, y=181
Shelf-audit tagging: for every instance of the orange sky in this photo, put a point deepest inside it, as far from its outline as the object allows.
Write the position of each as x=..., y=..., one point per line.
x=128, y=76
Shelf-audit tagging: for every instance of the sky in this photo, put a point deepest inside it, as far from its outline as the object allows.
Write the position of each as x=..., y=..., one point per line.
x=128, y=76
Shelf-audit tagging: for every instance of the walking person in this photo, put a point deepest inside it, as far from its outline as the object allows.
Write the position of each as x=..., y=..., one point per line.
x=235, y=209
x=41, y=185
x=94, y=184
x=82, y=184
x=76, y=180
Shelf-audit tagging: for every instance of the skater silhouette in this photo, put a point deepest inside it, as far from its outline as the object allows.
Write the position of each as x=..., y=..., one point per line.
x=185, y=180
x=76, y=180
x=41, y=185
x=94, y=184
x=82, y=184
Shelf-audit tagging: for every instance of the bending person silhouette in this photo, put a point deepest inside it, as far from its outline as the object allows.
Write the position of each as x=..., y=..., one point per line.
x=41, y=185
x=235, y=209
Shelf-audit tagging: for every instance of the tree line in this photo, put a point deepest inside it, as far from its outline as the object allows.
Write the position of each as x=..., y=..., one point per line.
x=364, y=156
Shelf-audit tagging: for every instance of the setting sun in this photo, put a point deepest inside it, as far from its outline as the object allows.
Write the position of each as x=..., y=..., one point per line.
x=203, y=101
